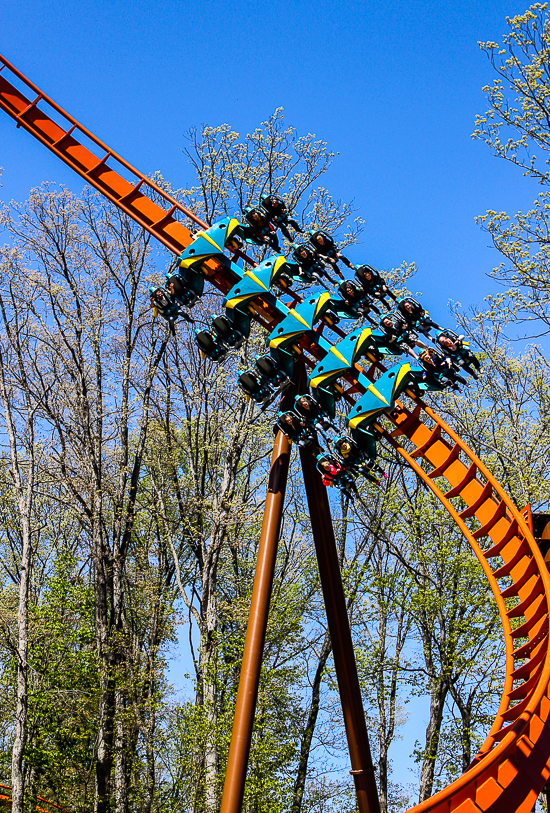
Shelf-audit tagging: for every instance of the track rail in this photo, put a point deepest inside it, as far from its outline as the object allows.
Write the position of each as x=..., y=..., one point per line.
x=513, y=763
x=42, y=805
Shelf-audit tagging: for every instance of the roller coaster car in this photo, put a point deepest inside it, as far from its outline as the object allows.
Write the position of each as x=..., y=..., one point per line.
x=330, y=317
x=253, y=387
x=210, y=345
x=268, y=370
x=182, y=293
x=163, y=302
x=229, y=331
x=365, y=438
x=261, y=382
x=327, y=398
x=298, y=321
x=211, y=244
x=234, y=243
x=379, y=397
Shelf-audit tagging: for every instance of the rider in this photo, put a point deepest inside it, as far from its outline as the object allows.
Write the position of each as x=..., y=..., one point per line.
x=351, y=454
x=356, y=301
x=439, y=367
x=310, y=411
x=163, y=301
x=278, y=215
x=415, y=315
x=259, y=230
x=325, y=247
x=334, y=473
x=296, y=429
x=373, y=284
x=398, y=333
x=457, y=351
x=310, y=266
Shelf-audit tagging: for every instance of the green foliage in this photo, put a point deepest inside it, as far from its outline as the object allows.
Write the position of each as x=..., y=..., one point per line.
x=63, y=688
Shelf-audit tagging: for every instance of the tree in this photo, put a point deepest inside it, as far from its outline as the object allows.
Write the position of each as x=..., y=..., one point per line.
x=516, y=127
x=89, y=379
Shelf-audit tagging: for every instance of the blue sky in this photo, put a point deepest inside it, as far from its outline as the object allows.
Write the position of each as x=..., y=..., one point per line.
x=393, y=88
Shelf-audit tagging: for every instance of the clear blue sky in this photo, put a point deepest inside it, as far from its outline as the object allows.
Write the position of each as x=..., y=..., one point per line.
x=393, y=87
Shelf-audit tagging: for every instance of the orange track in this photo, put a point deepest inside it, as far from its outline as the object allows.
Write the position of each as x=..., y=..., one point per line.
x=513, y=763
x=42, y=805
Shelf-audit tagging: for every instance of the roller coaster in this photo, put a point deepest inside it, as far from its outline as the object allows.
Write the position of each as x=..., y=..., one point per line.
x=386, y=405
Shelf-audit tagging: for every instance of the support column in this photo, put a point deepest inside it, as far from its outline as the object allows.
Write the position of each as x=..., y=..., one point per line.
x=362, y=768
x=247, y=695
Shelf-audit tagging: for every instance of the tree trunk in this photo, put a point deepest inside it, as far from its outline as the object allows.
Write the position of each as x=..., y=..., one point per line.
x=207, y=669
x=301, y=773
x=120, y=773
x=20, y=739
x=437, y=705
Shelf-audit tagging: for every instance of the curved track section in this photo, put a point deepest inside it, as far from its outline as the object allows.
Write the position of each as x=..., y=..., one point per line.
x=513, y=763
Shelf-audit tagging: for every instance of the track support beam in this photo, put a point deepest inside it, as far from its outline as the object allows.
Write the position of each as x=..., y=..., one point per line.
x=247, y=695
x=362, y=768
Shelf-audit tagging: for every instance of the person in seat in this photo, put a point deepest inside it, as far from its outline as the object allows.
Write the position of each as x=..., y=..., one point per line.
x=399, y=335
x=334, y=473
x=325, y=247
x=356, y=301
x=310, y=266
x=415, y=315
x=259, y=229
x=440, y=368
x=296, y=430
x=310, y=411
x=373, y=284
x=279, y=216
x=456, y=349
x=346, y=448
x=163, y=302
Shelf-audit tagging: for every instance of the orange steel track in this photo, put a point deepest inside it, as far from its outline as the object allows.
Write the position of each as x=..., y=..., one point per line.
x=42, y=805
x=513, y=764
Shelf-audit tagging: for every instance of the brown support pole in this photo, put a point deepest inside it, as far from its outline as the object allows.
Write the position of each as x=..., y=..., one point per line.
x=340, y=633
x=247, y=695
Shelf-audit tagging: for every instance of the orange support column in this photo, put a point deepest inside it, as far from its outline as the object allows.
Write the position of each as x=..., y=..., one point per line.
x=362, y=768
x=247, y=695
